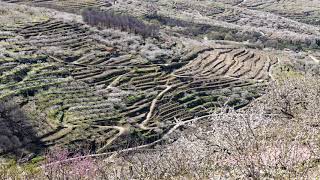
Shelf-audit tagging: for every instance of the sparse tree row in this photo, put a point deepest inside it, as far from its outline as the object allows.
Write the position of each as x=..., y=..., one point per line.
x=98, y=18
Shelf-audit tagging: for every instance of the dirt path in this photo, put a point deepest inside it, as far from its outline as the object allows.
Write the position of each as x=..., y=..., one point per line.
x=67, y=128
x=314, y=59
x=115, y=153
x=153, y=106
x=121, y=131
x=116, y=81
x=271, y=67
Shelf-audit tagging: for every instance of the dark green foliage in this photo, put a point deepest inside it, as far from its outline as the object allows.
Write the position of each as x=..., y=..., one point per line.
x=134, y=98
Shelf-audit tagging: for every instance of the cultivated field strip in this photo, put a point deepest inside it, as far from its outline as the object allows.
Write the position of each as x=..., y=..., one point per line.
x=99, y=89
x=72, y=6
x=236, y=63
x=277, y=24
x=298, y=10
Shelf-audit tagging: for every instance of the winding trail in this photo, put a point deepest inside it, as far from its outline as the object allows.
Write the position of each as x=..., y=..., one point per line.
x=66, y=129
x=115, y=81
x=314, y=59
x=121, y=131
x=115, y=153
x=153, y=106
x=271, y=67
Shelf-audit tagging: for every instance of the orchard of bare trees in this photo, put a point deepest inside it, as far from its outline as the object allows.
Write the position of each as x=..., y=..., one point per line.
x=109, y=19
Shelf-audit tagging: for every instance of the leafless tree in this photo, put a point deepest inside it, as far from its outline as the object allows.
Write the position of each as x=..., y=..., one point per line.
x=128, y=23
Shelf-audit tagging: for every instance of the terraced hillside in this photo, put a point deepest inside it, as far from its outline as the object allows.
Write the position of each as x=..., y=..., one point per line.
x=72, y=6
x=299, y=10
x=110, y=90
x=241, y=21
x=278, y=24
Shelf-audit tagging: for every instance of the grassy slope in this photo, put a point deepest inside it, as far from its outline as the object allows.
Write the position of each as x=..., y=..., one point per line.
x=83, y=86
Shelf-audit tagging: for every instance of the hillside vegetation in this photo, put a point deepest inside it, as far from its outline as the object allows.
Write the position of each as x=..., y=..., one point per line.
x=171, y=87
